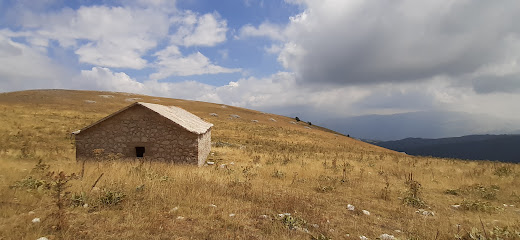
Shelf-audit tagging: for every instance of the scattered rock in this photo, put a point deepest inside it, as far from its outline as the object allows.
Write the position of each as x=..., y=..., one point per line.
x=223, y=106
x=213, y=114
x=385, y=236
x=85, y=205
x=106, y=96
x=255, y=121
x=307, y=127
x=180, y=218
x=223, y=165
x=213, y=205
x=234, y=116
x=315, y=225
x=425, y=212
x=157, y=100
x=36, y=220
x=31, y=213
x=90, y=101
x=363, y=238
x=42, y=238
x=292, y=122
x=132, y=99
x=272, y=119
x=210, y=163
x=366, y=212
x=351, y=207
x=173, y=210
x=297, y=228
x=456, y=206
x=232, y=215
x=263, y=216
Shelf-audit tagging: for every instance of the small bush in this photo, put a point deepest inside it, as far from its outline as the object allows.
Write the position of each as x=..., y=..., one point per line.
x=78, y=199
x=477, y=206
x=385, y=191
x=293, y=222
x=412, y=197
x=325, y=188
x=111, y=198
x=40, y=167
x=452, y=192
x=278, y=174
x=479, y=190
x=503, y=171
x=31, y=183
x=496, y=233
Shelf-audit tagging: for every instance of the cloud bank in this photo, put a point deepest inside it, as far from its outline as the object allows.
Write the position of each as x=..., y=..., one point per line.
x=335, y=58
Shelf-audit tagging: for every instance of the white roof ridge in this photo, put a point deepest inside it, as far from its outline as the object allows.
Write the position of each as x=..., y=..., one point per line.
x=185, y=119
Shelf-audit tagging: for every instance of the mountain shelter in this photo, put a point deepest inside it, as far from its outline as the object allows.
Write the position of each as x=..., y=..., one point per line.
x=149, y=131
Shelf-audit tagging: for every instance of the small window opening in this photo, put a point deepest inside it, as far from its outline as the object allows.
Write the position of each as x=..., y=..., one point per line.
x=139, y=152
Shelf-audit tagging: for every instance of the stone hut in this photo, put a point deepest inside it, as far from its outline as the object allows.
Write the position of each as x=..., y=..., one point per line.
x=150, y=131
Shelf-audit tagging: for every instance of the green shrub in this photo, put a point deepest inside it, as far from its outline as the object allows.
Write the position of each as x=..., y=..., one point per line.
x=293, y=222
x=477, y=206
x=31, y=183
x=111, y=197
x=412, y=195
x=78, y=199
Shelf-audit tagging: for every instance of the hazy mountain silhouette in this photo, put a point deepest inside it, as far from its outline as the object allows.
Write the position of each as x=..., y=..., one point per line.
x=435, y=124
x=504, y=148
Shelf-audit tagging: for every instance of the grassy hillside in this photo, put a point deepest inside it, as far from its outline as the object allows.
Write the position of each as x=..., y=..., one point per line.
x=272, y=179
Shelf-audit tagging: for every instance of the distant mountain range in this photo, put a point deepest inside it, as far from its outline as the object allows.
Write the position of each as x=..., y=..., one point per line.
x=435, y=124
x=505, y=148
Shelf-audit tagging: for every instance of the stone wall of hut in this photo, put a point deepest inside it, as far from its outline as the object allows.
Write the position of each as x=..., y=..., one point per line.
x=138, y=126
x=204, y=146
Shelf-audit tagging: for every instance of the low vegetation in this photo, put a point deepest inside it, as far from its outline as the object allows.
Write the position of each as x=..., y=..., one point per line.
x=267, y=180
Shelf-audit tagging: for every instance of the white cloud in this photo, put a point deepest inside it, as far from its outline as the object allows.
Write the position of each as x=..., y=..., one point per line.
x=23, y=67
x=265, y=29
x=105, y=79
x=206, y=30
x=121, y=37
x=224, y=53
x=170, y=62
x=366, y=42
x=101, y=35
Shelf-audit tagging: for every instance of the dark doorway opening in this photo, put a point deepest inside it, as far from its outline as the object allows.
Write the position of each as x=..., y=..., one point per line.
x=139, y=152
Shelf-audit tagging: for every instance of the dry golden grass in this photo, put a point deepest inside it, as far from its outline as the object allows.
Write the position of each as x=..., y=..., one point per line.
x=262, y=169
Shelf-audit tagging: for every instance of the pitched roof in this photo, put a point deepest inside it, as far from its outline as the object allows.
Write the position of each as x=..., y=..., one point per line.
x=183, y=118
x=180, y=116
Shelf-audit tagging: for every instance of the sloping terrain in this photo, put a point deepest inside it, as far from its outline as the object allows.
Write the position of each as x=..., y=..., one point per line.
x=271, y=179
x=503, y=148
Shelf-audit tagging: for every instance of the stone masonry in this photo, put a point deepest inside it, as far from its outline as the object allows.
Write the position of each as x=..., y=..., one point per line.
x=138, y=128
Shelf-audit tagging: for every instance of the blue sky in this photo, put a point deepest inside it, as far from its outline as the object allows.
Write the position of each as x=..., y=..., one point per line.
x=314, y=58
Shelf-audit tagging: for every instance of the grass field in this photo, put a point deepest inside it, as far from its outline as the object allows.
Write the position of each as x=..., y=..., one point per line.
x=272, y=179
